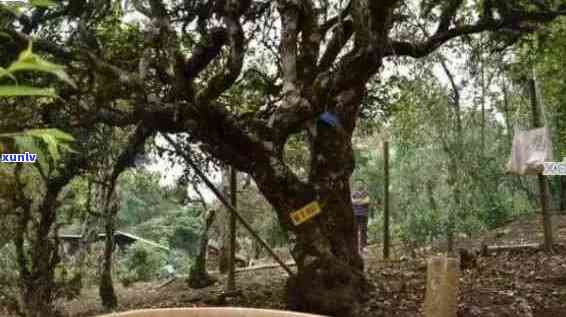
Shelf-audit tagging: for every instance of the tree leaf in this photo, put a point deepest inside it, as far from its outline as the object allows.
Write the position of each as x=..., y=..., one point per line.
x=37, y=140
x=5, y=35
x=14, y=8
x=15, y=91
x=26, y=142
x=58, y=134
x=4, y=72
x=32, y=62
x=42, y=3
x=52, y=146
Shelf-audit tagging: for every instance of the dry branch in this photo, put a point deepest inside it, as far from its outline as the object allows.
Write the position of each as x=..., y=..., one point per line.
x=264, y=267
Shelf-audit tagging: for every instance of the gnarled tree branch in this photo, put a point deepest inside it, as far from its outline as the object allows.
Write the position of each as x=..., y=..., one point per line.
x=516, y=21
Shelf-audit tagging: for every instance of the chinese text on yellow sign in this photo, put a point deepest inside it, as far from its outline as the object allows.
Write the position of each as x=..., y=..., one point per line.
x=305, y=213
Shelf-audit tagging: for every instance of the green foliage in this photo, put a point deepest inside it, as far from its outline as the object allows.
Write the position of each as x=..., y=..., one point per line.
x=179, y=229
x=180, y=261
x=45, y=142
x=48, y=144
x=147, y=210
x=423, y=145
x=369, y=170
x=422, y=226
x=260, y=215
x=36, y=140
x=142, y=263
x=155, y=213
x=29, y=61
x=141, y=198
x=26, y=91
x=547, y=57
x=42, y=3
x=186, y=233
x=75, y=205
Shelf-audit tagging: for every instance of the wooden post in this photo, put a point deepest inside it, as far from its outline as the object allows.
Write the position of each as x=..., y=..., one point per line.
x=542, y=181
x=386, y=236
x=232, y=259
x=441, y=298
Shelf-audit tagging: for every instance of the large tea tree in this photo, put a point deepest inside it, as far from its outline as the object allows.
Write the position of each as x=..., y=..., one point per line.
x=242, y=76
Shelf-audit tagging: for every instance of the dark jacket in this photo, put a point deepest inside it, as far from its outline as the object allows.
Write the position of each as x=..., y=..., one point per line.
x=360, y=203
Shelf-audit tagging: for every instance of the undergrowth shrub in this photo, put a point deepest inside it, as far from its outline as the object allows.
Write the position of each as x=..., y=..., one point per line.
x=141, y=263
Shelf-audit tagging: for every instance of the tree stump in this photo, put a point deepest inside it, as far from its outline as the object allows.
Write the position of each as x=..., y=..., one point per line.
x=441, y=298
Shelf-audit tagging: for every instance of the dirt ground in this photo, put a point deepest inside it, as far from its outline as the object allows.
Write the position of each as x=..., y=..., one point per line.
x=513, y=283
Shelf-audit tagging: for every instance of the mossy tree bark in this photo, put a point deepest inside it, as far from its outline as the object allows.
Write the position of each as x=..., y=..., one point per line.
x=199, y=277
x=106, y=288
x=37, y=245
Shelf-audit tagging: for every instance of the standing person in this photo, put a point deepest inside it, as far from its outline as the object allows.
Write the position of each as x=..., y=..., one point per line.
x=360, y=203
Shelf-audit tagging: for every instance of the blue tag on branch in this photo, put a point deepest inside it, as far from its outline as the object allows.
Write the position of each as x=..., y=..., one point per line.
x=330, y=119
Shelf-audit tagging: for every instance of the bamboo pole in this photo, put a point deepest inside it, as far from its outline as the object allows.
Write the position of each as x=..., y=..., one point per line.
x=225, y=202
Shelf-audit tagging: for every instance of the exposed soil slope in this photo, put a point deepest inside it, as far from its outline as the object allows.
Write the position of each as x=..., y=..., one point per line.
x=511, y=283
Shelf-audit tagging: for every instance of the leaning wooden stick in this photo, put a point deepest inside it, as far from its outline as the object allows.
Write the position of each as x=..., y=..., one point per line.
x=225, y=202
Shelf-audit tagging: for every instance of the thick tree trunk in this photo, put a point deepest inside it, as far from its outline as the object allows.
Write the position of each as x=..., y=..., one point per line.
x=106, y=289
x=38, y=257
x=330, y=278
x=37, y=296
x=38, y=288
x=199, y=277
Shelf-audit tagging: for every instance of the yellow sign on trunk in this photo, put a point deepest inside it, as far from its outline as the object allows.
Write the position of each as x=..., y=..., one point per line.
x=305, y=213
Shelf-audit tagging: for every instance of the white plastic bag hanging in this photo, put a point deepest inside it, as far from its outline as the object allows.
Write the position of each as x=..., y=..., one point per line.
x=529, y=151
